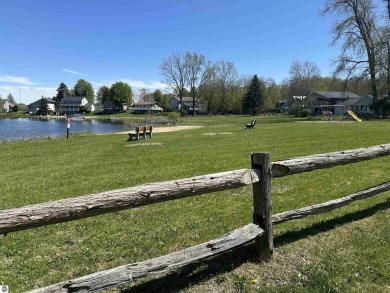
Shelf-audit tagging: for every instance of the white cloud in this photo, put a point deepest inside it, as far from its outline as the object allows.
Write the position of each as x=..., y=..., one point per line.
x=27, y=94
x=133, y=83
x=73, y=72
x=16, y=79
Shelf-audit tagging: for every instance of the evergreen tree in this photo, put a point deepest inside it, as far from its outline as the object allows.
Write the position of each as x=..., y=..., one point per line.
x=43, y=109
x=254, y=99
x=62, y=92
x=11, y=98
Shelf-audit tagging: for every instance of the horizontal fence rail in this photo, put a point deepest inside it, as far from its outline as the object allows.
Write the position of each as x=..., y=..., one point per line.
x=329, y=205
x=124, y=274
x=321, y=161
x=91, y=205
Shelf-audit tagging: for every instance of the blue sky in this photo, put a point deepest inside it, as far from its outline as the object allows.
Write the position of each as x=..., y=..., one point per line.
x=46, y=42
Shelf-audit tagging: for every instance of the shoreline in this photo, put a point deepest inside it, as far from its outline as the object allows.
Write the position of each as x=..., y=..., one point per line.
x=163, y=129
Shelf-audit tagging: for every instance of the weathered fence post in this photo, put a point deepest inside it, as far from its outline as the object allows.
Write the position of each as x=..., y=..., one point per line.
x=262, y=204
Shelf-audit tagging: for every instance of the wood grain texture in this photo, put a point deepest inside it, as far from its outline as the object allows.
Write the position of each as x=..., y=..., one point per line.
x=321, y=161
x=124, y=274
x=115, y=200
x=262, y=204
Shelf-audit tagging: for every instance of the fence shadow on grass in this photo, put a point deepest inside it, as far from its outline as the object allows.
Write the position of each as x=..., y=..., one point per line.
x=198, y=272
x=325, y=226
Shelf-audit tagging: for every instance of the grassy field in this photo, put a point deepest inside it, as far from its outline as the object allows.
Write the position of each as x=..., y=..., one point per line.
x=343, y=251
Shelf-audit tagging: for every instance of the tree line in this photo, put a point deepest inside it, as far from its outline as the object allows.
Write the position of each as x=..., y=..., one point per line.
x=363, y=67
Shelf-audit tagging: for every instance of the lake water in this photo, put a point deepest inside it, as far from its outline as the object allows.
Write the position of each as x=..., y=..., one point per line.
x=23, y=128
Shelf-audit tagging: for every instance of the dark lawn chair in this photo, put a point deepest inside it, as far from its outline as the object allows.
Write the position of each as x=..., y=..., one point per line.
x=251, y=125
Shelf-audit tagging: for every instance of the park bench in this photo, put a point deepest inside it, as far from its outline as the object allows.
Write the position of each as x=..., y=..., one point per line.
x=251, y=125
x=142, y=131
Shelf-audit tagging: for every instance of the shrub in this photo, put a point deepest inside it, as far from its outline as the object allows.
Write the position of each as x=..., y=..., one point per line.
x=173, y=117
x=305, y=113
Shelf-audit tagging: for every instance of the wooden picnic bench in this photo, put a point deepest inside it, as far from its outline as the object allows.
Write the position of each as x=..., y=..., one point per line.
x=141, y=131
x=251, y=125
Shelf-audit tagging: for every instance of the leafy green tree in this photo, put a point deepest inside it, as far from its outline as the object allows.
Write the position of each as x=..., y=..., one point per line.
x=15, y=108
x=162, y=99
x=254, y=99
x=11, y=98
x=381, y=107
x=84, y=89
x=121, y=93
x=103, y=94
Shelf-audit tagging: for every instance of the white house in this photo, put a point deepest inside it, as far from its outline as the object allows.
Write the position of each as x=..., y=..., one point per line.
x=5, y=106
x=34, y=107
x=71, y=105
x=147, y=108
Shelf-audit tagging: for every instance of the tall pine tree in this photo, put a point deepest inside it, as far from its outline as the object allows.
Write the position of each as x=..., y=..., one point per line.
x=62, y=92
x=254, y=99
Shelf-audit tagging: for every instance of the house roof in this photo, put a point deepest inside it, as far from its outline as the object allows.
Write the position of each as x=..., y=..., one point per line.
x=337, y=95
x=351, y=102
x=49, y=100
x=71, y=98
x=185, y=99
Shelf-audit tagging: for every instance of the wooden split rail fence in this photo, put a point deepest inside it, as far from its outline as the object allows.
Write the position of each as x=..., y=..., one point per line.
x=260, y=232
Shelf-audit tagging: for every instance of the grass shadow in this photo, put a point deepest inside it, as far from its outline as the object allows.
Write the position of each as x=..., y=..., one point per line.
x=197, y=272
x=292, y=236
x=227, y=262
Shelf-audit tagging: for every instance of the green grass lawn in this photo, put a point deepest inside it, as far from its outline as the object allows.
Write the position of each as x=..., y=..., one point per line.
x=346, y=250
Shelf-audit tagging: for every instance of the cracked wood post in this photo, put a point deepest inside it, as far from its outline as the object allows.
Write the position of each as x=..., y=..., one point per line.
x=262, y=204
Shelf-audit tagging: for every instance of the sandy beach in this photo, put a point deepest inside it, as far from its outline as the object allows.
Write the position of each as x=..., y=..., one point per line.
x=166, y=129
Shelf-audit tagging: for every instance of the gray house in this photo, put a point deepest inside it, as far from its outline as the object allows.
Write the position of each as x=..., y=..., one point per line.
x=34, y=107
x=109, y=107
x=147, y=108
x=357, y=106
x=316, y=99
x=187, y=105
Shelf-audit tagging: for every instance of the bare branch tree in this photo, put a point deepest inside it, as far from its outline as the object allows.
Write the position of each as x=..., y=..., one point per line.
x=173, y=70
x=354, y=26
x=197, y=75
x=301, y=77
x=226, y=75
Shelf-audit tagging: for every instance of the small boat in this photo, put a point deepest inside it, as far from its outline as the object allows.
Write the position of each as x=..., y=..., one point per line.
x=77, y=117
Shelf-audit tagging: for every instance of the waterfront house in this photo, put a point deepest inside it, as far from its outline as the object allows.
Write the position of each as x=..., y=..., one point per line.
x=147, y=108
x=71, y=105
x=5, y=106
x=34, y=107
x=110, y=107
x=187, y=105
